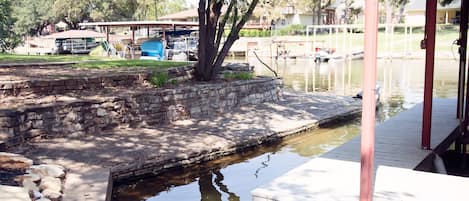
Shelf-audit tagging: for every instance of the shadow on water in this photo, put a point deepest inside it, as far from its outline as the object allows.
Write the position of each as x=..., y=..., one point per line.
x=233, y=177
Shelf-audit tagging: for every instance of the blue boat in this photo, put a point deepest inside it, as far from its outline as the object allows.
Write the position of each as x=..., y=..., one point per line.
x=152, y=49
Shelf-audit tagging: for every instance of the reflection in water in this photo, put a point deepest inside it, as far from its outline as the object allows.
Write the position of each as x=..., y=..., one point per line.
x=233, y=177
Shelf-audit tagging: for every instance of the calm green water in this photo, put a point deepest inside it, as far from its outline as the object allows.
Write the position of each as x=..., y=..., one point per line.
x=233, y=177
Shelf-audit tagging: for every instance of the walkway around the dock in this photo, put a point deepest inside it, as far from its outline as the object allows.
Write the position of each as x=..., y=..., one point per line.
x=335, y=175
x=130, y=151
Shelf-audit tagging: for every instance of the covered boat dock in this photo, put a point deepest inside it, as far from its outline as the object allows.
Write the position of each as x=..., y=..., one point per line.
x=135, y=25
x=407, y=146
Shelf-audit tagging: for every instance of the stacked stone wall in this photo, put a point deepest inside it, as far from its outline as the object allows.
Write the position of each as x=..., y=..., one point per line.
x=145, y=107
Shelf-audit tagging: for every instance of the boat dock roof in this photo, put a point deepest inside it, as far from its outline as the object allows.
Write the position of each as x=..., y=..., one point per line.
x=142, y=24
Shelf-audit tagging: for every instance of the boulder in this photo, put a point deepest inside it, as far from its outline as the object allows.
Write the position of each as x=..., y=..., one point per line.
x=36, y=194
x=14, y=193
x=52, y=195
x=50, y=183
x=11, y=161
x=30, y=185
x=48, y=170
x=32, y=177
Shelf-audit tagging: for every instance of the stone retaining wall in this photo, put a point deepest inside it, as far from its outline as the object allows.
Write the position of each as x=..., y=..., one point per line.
x=65, y=84
x=139, y=108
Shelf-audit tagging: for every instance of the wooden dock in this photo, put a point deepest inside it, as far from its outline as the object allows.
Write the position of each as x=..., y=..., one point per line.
x=335, y=175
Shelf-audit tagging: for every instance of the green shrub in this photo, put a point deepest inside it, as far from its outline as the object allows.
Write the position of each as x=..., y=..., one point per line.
x=254, y=33
x=293, y=29
x=238, y=76
x=159, y=79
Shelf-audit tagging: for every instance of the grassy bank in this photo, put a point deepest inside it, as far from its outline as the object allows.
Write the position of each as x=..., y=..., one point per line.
x=16, y=58
x=129, y=63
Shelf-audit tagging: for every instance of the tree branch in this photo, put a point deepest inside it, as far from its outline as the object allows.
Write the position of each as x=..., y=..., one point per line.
x=232, y=37
x=221, y=25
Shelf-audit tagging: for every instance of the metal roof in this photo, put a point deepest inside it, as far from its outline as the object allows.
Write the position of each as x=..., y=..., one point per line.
x=185, y=14
x=76, y=34
x=141, y=24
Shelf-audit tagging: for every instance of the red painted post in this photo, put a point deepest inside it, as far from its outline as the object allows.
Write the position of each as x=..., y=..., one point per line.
x=429, y=45
x=369, y=100
x=463, y=51
x=462, y=114
x=462, y=42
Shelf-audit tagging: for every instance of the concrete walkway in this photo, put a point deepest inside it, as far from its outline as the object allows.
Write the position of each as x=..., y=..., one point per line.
x=125, y=152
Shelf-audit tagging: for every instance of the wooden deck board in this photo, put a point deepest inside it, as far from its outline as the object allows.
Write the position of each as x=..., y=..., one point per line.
x=335, y=174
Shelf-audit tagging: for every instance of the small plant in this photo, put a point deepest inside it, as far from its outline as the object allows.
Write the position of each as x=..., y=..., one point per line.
x=119, y=47
x=159, y=79
x=174, y=82
x=238, y=76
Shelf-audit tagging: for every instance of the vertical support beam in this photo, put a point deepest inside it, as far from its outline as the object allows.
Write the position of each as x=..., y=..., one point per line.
x=148, y=31
x=369, y=100
x=429, y=45
x=133, y=34
x=107, y=34
x=462, y=42
x=463, y=54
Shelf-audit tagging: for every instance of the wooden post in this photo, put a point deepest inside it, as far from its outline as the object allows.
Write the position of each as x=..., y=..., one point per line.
x=369, y=100
x=429, y=45
x=133, y=35
x=462, y=42
x=463, y=112
x=107, y=34
x=148, y=31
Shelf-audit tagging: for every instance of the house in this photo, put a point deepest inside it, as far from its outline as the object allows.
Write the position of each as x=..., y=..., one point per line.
x=189, y=15
x=344, y=12
x=289, y=16
x=449, y=14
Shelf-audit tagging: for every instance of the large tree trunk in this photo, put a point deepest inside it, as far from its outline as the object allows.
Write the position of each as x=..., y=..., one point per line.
x=210, y=58
x=200, y=70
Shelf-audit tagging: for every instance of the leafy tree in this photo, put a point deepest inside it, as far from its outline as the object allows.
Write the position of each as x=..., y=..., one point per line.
x=269, y=10
x=112, y=10
x=211, y=28
x=153, y=9
x=314, y=6
x=73, y=12
x=32, y=16
x=8, y=38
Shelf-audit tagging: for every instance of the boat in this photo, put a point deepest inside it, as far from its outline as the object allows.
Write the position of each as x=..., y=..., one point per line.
x=324, y=55
x=74, y=41
x=177, y=45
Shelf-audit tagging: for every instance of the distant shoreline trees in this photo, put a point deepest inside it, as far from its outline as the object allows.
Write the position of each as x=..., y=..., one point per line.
x=8, y=38
x=34, y=15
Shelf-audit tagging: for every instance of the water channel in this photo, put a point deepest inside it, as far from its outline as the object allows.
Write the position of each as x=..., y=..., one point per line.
x=233, y=177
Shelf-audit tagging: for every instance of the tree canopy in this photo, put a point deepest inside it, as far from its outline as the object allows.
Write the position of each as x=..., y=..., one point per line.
x=34, y=15
x=8, y=38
